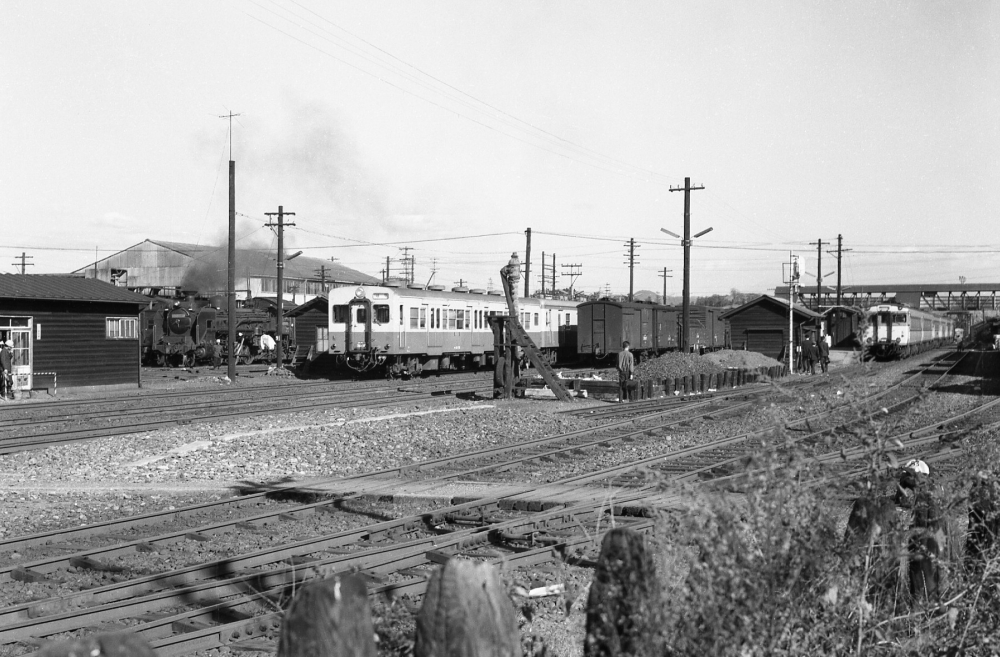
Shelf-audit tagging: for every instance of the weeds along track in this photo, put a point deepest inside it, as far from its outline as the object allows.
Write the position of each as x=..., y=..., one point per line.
x=34, y=426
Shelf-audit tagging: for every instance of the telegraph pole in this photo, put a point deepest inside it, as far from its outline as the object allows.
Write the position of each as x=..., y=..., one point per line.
x=665, y=276
x=322, y=277
x=819, y=270
x=24, y=264
x=631, y=265
x=231, y=270
x=543, y=274
x=686, y=298
x=527, y=265
x=573, y=273
x=840, y=252
x=279, y=363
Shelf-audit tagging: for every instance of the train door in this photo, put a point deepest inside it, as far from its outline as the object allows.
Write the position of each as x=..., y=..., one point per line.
x=435, y=336
x=475, y=326
x=359, y=332
x=18, y=331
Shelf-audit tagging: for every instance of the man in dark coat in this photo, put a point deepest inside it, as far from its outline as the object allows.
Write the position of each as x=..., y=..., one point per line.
x=809, y=355
x=824, y=352
x=626, y=369
x=6, y=364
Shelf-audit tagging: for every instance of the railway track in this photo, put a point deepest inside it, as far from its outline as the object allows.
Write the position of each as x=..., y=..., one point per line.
x=23, y=431
x=200, y=614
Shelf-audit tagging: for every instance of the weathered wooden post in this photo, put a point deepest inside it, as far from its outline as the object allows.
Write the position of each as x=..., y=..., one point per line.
x=329, y=617
x=106, y=645
x=984, y=521
x=624, y=607
x=466, y=613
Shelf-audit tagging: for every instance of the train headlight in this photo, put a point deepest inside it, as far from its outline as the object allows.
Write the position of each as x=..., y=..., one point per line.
x=386, y=347
x=897, y=340
x=359, y=293
x=359, y=345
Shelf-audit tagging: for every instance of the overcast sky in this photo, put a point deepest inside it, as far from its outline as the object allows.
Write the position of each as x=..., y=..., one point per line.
x=452, y=126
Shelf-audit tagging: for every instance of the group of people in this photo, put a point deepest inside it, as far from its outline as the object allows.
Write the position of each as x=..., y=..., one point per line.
x=812, y=352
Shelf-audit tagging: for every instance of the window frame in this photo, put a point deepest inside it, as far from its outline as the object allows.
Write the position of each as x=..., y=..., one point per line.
x=123, y=327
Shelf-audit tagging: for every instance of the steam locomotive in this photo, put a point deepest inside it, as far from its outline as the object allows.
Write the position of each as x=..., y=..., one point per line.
x=181, y=332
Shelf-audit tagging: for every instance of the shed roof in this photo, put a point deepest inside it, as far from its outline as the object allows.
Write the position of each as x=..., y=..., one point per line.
x=319, y=303
x=256, y=262
x=798, y=309
x=65, y=288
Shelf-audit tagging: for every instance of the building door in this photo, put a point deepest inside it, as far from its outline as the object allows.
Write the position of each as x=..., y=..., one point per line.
x=18, y=331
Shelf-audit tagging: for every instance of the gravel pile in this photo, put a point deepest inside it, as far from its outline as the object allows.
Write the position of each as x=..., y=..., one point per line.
x=728, y=358
x=671, y=364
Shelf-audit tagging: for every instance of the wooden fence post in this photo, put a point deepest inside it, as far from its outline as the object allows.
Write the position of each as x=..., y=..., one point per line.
x=329, y=617
x=624, y=607
x=466, y=613
x=106, y=645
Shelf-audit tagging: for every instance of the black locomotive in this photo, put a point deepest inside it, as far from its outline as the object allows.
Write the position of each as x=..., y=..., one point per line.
x=182, y=332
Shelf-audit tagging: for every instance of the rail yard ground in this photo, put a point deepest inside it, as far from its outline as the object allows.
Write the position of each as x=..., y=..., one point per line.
x=168, y=469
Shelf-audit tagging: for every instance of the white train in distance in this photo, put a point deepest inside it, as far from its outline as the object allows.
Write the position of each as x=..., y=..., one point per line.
x=414, y=329
x=897, y=331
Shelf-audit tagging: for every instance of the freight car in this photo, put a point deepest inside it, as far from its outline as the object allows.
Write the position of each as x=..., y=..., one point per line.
x=895, y=330
x=179, y=331
x=408, y=330
x=651, y=329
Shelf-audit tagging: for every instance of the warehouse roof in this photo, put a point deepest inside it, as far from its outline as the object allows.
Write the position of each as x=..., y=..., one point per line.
x=64, y=288
x=798, y=308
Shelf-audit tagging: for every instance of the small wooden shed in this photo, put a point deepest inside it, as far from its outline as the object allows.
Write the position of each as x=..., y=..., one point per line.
x=70, y=331
x=842, y=325
x=312, y=323
x=761, y=325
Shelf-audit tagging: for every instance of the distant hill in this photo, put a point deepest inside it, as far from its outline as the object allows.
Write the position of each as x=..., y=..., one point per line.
x=647, y=295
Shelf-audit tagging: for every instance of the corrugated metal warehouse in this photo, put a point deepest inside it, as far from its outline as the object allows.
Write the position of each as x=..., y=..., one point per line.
x=167, y=268
x=762, y=325
x=70, y=330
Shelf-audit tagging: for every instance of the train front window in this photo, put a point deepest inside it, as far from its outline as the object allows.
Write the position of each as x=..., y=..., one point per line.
x=899, y=318
x=362, y=316
x=340, y=314
x=381, y=313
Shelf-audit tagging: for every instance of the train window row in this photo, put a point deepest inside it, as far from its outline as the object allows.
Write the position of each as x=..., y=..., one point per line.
x=451, y=319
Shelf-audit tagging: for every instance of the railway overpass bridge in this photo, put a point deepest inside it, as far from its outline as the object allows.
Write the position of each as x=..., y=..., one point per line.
x=940, y=297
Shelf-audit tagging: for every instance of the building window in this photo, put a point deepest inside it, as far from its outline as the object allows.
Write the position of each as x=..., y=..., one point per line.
x=122, y=328
x=269, y=285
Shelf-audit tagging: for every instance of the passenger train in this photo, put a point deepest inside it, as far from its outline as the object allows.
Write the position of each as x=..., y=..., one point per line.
x=413, y=329
x=896, y=331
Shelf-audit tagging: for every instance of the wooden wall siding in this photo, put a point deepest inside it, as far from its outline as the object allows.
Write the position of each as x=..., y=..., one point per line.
x=306, y=323
x=74, y=345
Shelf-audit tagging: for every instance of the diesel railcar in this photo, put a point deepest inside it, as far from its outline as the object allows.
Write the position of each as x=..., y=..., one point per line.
x=412, y=329
x=651, y=329
x=896, y=331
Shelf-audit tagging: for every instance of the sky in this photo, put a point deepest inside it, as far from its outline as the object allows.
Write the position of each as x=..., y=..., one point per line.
x=450, y=127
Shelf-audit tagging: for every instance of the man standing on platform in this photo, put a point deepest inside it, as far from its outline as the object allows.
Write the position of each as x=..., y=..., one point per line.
x=626, y=370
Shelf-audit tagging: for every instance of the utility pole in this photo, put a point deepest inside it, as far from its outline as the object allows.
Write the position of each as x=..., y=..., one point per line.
x=24, y=264
x=279, y=363
x=434, y=270
x=543, y=274
x=322, y=277
x=819, y=270
x=793, y=283
x=840, y=252
x=665, y=276
x=686, y=242
x=631, y=265
x=553, y=270
x=574, y=271
x=408, y=262
x=231, y=270
x=527, y=265
x=385, y=278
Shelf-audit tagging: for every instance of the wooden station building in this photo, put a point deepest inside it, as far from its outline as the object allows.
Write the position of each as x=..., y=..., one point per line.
x=70, y=331
x=761, y=325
